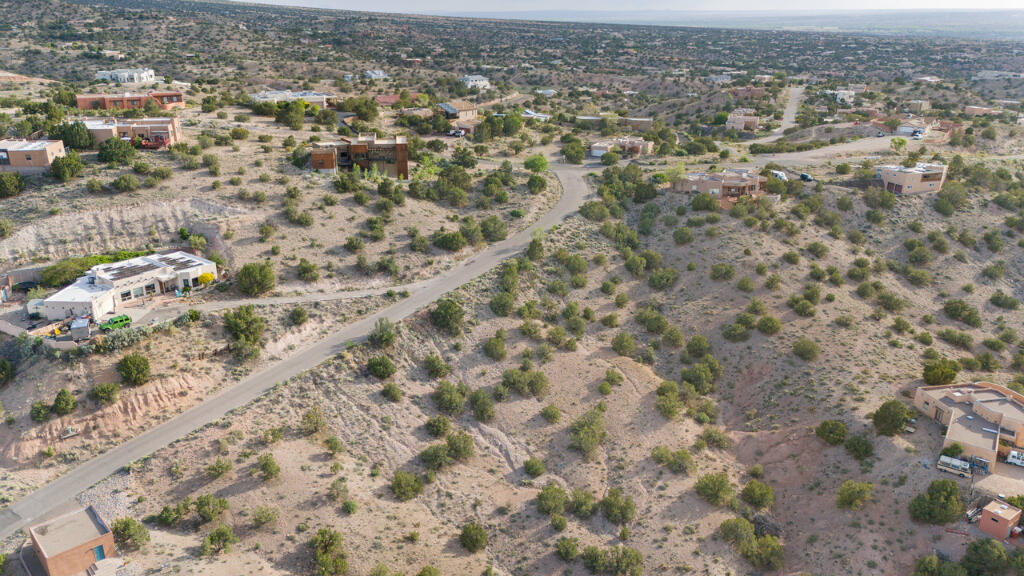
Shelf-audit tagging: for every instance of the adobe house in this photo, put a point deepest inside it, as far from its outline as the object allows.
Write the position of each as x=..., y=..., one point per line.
x=127, y=101
x=71, y=544
x=389, y=155
x=998, y=519
x=29, y=156
x=983, y=418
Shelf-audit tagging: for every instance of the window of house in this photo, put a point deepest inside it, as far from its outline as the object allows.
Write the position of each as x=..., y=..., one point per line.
x=28, y=157
x=4, y=158
x=126, y=295
x=185, y=282
x=137, y=292
x=150, y=289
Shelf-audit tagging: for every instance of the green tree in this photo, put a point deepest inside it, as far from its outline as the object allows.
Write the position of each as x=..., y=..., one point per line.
x=129, y=533
x=6, y=371
x=985, y=557
x=832, y=432
x=473, y=537
x=256, y=278
x=406, y=485
x=134, y=369
x=940, y=371
x=758, y=494
x=891, y=417
x=448, y=316
x=714, y=488
x=116, y=151
x=67, y=167
x=218, y=541
x=329, y=553
x=64, y=403
x=535, y=163
x=11, y=184
x=74, y=135
x=853, y=495
x=940, y=504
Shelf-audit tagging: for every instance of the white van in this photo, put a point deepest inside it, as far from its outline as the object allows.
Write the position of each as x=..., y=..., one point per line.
x=1016, y=458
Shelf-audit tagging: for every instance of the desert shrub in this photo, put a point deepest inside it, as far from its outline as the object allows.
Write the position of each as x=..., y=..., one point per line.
x=534, y=467
x=552, y=499
x=448, y=316
x=940, y=371
x=256, y=278
x=714, y=488
x=623, y=344
x=891, y=417
x=962, y=311
x=617, y=507
x=268, y=466
x=246, y=329
x=805, y=349
x=587, y=432
x=105, y=393
x=450, y=398
x=833, y=432
x=134, y=369
x=758, y=494
x=406, y=485
x=328, y=552
x=218, y=541
x=859, y=447
x=435, y=366
x=853, y=495
x=129, y=533
x=264, y=516
x=494, y=347
x=381, y=367
x=210, y=507
x=567, y=548
x=678, y=461
x=473, y=537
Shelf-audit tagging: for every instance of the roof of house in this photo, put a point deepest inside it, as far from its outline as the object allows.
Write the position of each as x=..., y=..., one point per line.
x=919, y=168
x=68, y=531
x=999, y=508
x=27, y=145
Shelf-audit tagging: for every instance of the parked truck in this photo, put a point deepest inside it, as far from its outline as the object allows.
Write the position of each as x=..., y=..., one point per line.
x=1016, y=458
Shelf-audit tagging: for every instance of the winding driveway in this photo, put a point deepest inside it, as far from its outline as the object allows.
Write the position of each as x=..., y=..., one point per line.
x=59, y=495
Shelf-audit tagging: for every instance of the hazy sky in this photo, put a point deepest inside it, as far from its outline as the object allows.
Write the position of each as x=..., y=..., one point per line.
x=591, y=5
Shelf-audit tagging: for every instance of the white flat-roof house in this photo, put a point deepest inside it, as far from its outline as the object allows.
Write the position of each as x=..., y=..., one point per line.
x=106, y=287
x=375, y=75
x=127, y=75
x=476, y=81
x=318, y=98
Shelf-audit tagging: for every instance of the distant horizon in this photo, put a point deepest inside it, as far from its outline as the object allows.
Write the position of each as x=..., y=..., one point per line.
x=809, y=7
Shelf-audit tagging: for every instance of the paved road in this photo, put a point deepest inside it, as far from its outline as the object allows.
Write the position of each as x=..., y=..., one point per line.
x=58, y=495
x=794, y=98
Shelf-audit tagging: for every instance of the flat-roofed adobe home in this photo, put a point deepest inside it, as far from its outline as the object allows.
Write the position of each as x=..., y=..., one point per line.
x=729, y=186
x=74, y=544
x=458, y=110
x=128, y=101
x=29, y=156
x=921, y=177
x=390, y=156
x=107, y=287
x=983, y=418
x=158, y=131
x=998, y=519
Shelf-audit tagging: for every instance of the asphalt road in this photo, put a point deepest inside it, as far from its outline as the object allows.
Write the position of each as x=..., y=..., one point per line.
x=58, y=496
x=794, y=98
